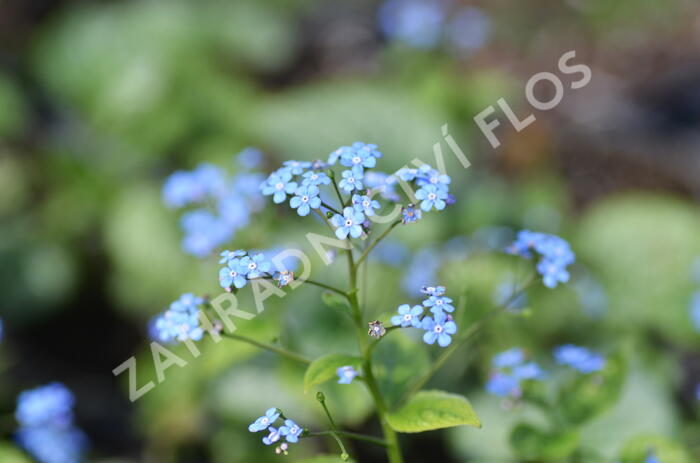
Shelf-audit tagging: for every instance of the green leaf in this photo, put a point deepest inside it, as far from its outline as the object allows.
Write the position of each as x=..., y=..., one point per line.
x=587, y=396
x=637, y=449
x=334, y=300
x=324, y=368
x=10, y=454
x=531, y=443
x=398, y=361
x=430, y=410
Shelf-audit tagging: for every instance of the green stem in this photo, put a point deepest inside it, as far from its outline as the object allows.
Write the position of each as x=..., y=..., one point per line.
x=393, y=450
x=270, y=347
x=468, y=335
x=331, y=208
x=366, y=252
x=352, y=435
x=325, y=286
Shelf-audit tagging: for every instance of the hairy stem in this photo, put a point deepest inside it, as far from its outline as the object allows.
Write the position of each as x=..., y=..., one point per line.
x=270, y=347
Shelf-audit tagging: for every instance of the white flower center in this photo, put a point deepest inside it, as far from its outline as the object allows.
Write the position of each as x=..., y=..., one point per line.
x=438, y=328
x=356, y=160
x=365, y=203
x=252, y=266
x=407, y=317
x=305, y=198
x=233, y=273
x=351, y=180
x=348, y=222
x=279, y=185
x=432, y=196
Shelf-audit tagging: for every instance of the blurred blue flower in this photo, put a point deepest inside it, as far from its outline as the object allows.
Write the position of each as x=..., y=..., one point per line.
x=503, y=385
x=365, y=204
x=227, y=255
x=469, y=29
x=579, y=358
x=380, y=182
x=651, y=458
x=530, y=370
x=555, y=252
x=346, y=374
x=188, y=187
x=250, y=157
x=426, y=175
x=390, y=252
x=279, y=184
x=421, y=270
x=417, y=23
x=350, y=223
x=694, y=310
x=408, y=316
x=439, y=303
x=431, y=196
x=49, y=405
x=351, y=181
x=440, y=328
x=53, y=445
x=552, y=272
x=433, y=290
x=203, y=232
x=505, y=293
x=2, y=328
x=305, y=199
x=265, y=421
x=181, y=321
x=508, y=359
x=291, y=431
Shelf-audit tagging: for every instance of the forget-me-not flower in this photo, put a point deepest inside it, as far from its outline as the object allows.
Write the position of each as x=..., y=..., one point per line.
x=297, y=167
x=433, y=290
x=431, y=196
x=306, y=199
x=265, y=421
x=313, y=177
x=273, y=437
x=408, y=316
x=291, y=431
x=365, y=204
x=579, y=358
x=438, y=329
x=279, y=184
x=351, y=181
x=256, y=266
x=439, y=303
x=350, y=223
x=234, y=274
x=410, y=214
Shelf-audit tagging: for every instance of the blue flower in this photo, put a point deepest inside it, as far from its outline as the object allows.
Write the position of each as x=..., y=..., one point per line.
x=1, y=329
x=365, y=204
x=524, y=243
x=297, y=167
x=306, y=199
x=438, y=329
x=227, y=255
x=181, y=321
x=552, y=272
x=503, y=385
x=417, y=23
x=291, y=431
x=187, y=187
x=256, y=266
x=265, y=421
x=250, y=157
x=381, y=183
x=410, y=214
x=556, y=249
x=273, y=437
x=315, y=178
x=234, y=274
x=203, y=232
x=651, y=458
x=530, y=370
x=283, y=278
x=351, y=181
x=49, y=405
x=431, y=196
x=350, y=223
x=433, y=290
x=335, y=155
x=695, y=310
x=579, y=358
x=53, y=445
x=508, y=359
x=697, y=392
x=438, y=304
x=357, y=160
x=408, y=316
x=346, y=374
x=426, y=175
x=279, y=184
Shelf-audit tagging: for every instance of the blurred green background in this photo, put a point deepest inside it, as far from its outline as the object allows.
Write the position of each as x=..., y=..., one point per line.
x=101, y=100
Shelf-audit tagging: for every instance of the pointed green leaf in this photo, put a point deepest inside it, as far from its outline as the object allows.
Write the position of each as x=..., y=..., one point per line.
x=324, y=368
x=430, y=410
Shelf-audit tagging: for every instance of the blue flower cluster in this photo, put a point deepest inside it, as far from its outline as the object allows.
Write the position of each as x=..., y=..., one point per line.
x=181, y=321
x=224, y=204
x=509, y=370
x=440, y=326
x=288, y=432
x=46, y=431
x=346, y=374
x=579, y=358
x=242, y=267
x=302, y=182
x=555, y=252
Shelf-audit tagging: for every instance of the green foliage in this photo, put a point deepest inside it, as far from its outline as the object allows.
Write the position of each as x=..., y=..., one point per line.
x=398, y=360
x=429, y=410
x=10, y=454
x=324, y=368
x=334, y=300
x=666, y=450
x=326, y=459
x=532, y=443
x=585, y=396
